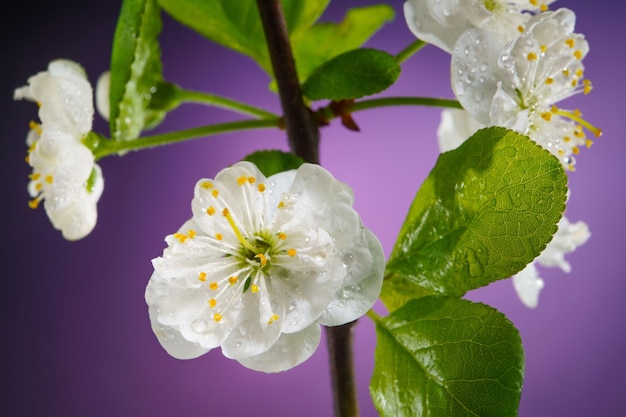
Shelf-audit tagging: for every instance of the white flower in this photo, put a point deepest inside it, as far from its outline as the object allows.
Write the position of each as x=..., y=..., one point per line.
x=260, y=265
x=455, y=127
x=64, y=174
x=103, y=87
x=568, y=237
x=517, y=85
x=441, y=22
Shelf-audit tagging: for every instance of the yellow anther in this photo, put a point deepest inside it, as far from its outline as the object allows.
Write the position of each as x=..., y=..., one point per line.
x=202, y=276
x=291, y=252
x=35, y=126
x=219, y=236
x=261, y=188
x=181, y=237
x=554, y=108
x=588, y=143
x=191, y=233
x=575, y=150
x=210, y=211
x=578, y=113
x=571, y=167
x=565, y=72
x=214, y=285
x=262, y=258
x=254, y=288
x=273, y=319
x=233, y=280
x=578, y=130
x=580, y=73
x=215, y=193
x=49, y=179
x=546, y=116
x=251, y=180
x=34, y=203
x=281, y=205
x=241, y=180
x=282, y=236
x=566, y=139
x=207, y=185
x=218, y=317
x=35, y=176
x=549, y=80
x=520, y=29
x=532, y=56
x=543, y=7
x=561, y=152
x=570, y=42
x=543, y=48
x=533, y=2
x=38, y=186
x=212, y=303
x=578, y=54
x=574, y=82
x=587, y=88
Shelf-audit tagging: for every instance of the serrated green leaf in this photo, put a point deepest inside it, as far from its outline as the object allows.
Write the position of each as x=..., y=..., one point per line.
x=353, y=74
x=271, y=162
x=485, y=211
x=237, y=25
x=327, y=40
x=447, y=357
x=136, y=69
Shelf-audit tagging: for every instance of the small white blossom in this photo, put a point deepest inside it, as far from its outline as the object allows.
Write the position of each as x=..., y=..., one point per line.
x=260, y=265
x=103, y=87
x=64, y=174
x=441, y=22
x=568, y=237
x=517, y=85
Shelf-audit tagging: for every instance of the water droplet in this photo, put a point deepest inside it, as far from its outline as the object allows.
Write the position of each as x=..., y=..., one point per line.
x=199, y=325
x=347, y=259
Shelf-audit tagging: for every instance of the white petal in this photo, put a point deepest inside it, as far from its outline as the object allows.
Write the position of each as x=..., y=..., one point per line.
x=354, y=300
x=528, y=284
x=289, y=351
x=455, y=127
x=172, y=341
x=568, y=237
x=103, y=87
x=473, y=71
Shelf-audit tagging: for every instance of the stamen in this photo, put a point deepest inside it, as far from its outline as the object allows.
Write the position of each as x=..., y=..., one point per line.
x=251, y=180
x=543, y=7
x=273, y=319
x=240, y=237
x=35, y=176
x=282, y=236
x=219, y=236
x=207, y=185
x=202, y=276
x=210, y=211
x=578, y=54
x=549, y=80
x=575, y=117
x=261, y=188
x=570, y=42
x=34, y=203
x=262, y=258
x=291, y=252
x=35, y=126
x=181, y=237
x=215, y=193
x=233, y=280
x=217, y=317
x=546, y=116
x=212, y=302
x=575, y=150
x=38, y=186
x=532, y=56
x=254, y=288
x=214, y=285
x=191, y=233
x=520, y=29
x=281, y=205
x=242, y=180
x=588, y=143
x=543, y=48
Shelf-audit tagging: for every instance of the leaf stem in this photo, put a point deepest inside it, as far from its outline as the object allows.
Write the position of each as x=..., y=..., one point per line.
x=339, y=340
x=102, y=148
x=407, y=52
x=223, y=102
x=403, y=101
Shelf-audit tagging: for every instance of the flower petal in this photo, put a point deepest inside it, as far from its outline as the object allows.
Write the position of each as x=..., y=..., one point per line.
x=528, y=285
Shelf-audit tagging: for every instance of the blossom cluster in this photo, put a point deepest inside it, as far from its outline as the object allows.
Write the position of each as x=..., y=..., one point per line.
x=512, y=62
x=262, y=263
x=65, y=176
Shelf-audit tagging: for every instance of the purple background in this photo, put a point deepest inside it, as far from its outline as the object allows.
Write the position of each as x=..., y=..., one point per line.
x=77, y=340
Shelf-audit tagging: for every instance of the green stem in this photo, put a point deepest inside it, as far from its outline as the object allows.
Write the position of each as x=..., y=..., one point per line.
x=374, y=316
x=407, y=52
x=403, y=101
x=104, y=148
x=223, y=102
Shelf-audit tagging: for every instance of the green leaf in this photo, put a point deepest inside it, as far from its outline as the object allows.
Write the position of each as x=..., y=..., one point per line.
x=440, y=356
x=327, y=40
x=237, y=25
x=136, y=69
x=353, y=74
x=485, y=211
x=271, y=162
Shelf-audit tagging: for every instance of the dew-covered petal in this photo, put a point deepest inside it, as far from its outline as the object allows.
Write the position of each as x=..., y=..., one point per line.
x=528, y=285
x=289, y=351
x=473, y=72
x=255, y=331
x=172, y=340
x=355, y=299
x=568, y=238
